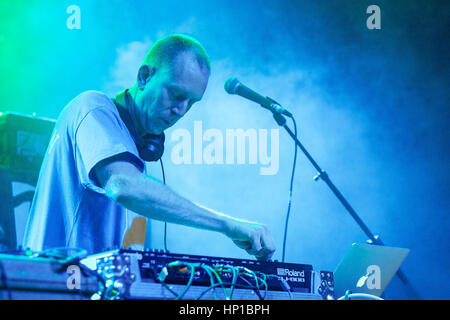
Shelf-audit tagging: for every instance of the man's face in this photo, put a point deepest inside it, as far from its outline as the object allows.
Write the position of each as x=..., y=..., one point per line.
x=169, y=93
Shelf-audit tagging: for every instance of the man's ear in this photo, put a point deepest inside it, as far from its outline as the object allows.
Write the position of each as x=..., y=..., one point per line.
x=145, y=73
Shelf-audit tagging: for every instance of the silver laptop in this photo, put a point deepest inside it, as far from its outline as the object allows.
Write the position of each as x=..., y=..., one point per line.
x=367, y=269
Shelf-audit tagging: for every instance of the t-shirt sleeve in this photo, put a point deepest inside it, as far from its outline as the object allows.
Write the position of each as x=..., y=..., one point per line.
x=99, y=136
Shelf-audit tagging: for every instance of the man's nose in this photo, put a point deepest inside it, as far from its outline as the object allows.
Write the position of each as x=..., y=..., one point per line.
x=180, y=108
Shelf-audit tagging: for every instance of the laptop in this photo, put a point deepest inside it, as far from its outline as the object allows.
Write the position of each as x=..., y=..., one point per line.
x=367, y=268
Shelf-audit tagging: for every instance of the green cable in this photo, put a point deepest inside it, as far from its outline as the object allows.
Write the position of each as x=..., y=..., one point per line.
x=233, y=282
x=260, y=281
x=191, y=278
x=233, y=270
x=210, y=278
x=188, y=285
x=218, y=279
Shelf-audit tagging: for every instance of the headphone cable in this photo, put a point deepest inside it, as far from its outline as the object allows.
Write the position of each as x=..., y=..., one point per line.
x=165, y=223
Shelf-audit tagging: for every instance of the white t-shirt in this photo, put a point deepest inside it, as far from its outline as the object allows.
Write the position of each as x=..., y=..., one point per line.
x=69, y=208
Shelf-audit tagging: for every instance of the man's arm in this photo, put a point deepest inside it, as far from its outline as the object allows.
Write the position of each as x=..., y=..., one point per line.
x=125, y=184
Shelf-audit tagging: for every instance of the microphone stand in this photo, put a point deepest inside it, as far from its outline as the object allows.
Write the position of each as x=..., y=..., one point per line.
x=373, y=239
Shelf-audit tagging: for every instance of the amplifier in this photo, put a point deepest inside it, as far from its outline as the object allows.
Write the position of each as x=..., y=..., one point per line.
x=23, y=141
x=156, y=274
x=23, y=144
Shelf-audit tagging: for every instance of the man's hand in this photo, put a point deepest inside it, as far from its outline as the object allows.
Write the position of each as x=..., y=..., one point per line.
x=253, y=237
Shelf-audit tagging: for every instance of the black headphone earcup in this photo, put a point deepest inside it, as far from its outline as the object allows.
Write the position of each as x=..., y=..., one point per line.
x=152, y=147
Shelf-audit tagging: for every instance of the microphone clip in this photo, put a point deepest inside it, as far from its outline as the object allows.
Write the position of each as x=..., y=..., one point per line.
x=275, y=107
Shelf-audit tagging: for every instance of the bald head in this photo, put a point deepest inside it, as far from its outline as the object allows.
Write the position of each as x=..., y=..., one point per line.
x=164, y=52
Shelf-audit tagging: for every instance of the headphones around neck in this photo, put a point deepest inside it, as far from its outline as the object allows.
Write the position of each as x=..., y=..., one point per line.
x=150, y=146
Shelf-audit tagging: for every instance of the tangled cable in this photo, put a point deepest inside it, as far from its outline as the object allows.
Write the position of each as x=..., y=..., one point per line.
x=237, y=274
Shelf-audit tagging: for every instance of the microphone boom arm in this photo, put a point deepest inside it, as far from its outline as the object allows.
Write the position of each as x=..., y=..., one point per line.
x=373, y=239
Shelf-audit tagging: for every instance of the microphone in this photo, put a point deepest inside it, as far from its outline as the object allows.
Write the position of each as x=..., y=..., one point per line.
x=234, y=86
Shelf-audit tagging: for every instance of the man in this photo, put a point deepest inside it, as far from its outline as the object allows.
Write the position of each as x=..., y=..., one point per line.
x=93, y=173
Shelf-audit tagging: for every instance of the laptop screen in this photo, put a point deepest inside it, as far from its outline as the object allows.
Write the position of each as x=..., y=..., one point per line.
x=367, y=268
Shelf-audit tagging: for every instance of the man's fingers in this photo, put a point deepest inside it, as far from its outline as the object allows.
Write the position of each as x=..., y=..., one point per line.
x=256, y=240
x=268, y=246
x=262, y=247
x=256, y=243
x=246, y=245
x=242, y=244
x=264, y=254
